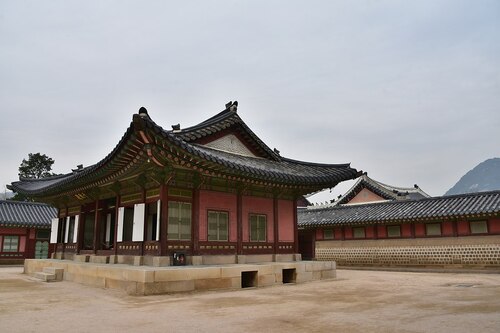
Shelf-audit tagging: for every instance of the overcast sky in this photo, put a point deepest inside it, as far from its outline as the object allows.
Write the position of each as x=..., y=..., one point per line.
x=408, y=91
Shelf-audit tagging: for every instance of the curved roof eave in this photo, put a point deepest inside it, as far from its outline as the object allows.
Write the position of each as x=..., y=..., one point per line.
x=283, y=170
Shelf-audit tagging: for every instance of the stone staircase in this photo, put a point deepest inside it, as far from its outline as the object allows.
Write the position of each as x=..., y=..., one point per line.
x=50, y=274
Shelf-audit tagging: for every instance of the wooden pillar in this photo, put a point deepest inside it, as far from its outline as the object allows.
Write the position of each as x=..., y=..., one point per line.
x=163, y=219
x=80, y=231
x=295, y=228
x=239, y=222
x=145, y=222
x=115, y=242
x=412, y=229
x=28, y=252
x=196, y=221
x=342, y=236
x=65, y=226
x=275, y=223
x=375, y=231
x=455, y=228
x=96, y=227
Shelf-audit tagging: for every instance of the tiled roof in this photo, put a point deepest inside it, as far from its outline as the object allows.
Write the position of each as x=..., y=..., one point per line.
x=225, y=119
x=456, y=206
x=274, y=168
x=26, y=214
x=388, y=192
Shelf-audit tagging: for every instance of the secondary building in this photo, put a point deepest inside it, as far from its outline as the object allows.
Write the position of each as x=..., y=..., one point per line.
x=210, y=193
x=459, y=230
x=24, y=230
x=367, y=189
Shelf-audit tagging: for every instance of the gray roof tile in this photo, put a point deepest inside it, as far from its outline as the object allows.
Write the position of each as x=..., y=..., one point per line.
x=26, y=214
x=382, y=212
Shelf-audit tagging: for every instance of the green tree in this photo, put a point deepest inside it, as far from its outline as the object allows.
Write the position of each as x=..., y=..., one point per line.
x=37, y=166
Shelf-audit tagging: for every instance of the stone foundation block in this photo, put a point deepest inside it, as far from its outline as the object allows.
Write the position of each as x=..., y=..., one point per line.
x=266, y=280
x=83, y=269
x=99, y=259
x=331, y=274
x=138, y=260
x=303, y=277
x=316, y=275
x=241, y=259
x=68, y=256
x=219, y=260
x=127, y=260
x=235, y=271
x=46, y=277
x=81, y=258
x=139, y=275
x=258, y=258
x=110, y=272
x=88, y=280
x=299, y=267
x=58, y=273
x=161, y=261
x=165, y=287
x=284, y=257
x=185, y=273
x=297, y=257
x=113, y=260
x=212, y=284
x=196, y=260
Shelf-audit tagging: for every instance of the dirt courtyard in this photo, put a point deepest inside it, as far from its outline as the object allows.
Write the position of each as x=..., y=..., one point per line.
x=357, y=301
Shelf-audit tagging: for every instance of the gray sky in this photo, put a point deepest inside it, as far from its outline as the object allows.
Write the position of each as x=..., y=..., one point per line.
x=408, y=91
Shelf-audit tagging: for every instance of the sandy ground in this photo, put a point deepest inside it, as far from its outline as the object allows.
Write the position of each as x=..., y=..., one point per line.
x=357, y=301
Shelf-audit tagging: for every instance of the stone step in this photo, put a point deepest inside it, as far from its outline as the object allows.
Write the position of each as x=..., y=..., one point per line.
x=47, y=277
x=59, y=272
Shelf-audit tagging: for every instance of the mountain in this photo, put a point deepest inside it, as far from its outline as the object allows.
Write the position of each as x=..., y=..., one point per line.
x=484, y=177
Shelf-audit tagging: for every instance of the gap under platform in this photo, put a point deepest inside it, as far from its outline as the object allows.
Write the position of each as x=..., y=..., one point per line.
x=150, y=280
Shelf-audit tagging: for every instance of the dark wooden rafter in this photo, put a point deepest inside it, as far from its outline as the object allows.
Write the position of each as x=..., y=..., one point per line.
x=116, y=187
x=141, y=180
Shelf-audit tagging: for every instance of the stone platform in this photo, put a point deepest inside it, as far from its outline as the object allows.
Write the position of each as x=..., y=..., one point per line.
x=149, y=280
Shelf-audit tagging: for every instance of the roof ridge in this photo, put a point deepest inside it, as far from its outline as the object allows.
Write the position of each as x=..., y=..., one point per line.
x=226, y=113
x=392, y=186
x=401, y=202
x=286, y=159
x=15, y=202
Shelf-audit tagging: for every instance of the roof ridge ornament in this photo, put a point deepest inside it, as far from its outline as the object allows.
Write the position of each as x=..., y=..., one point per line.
x=232, y=106
x=143, y=112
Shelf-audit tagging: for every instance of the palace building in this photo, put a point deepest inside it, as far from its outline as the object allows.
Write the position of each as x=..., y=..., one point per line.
x=450, y=231
x=213, y=193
